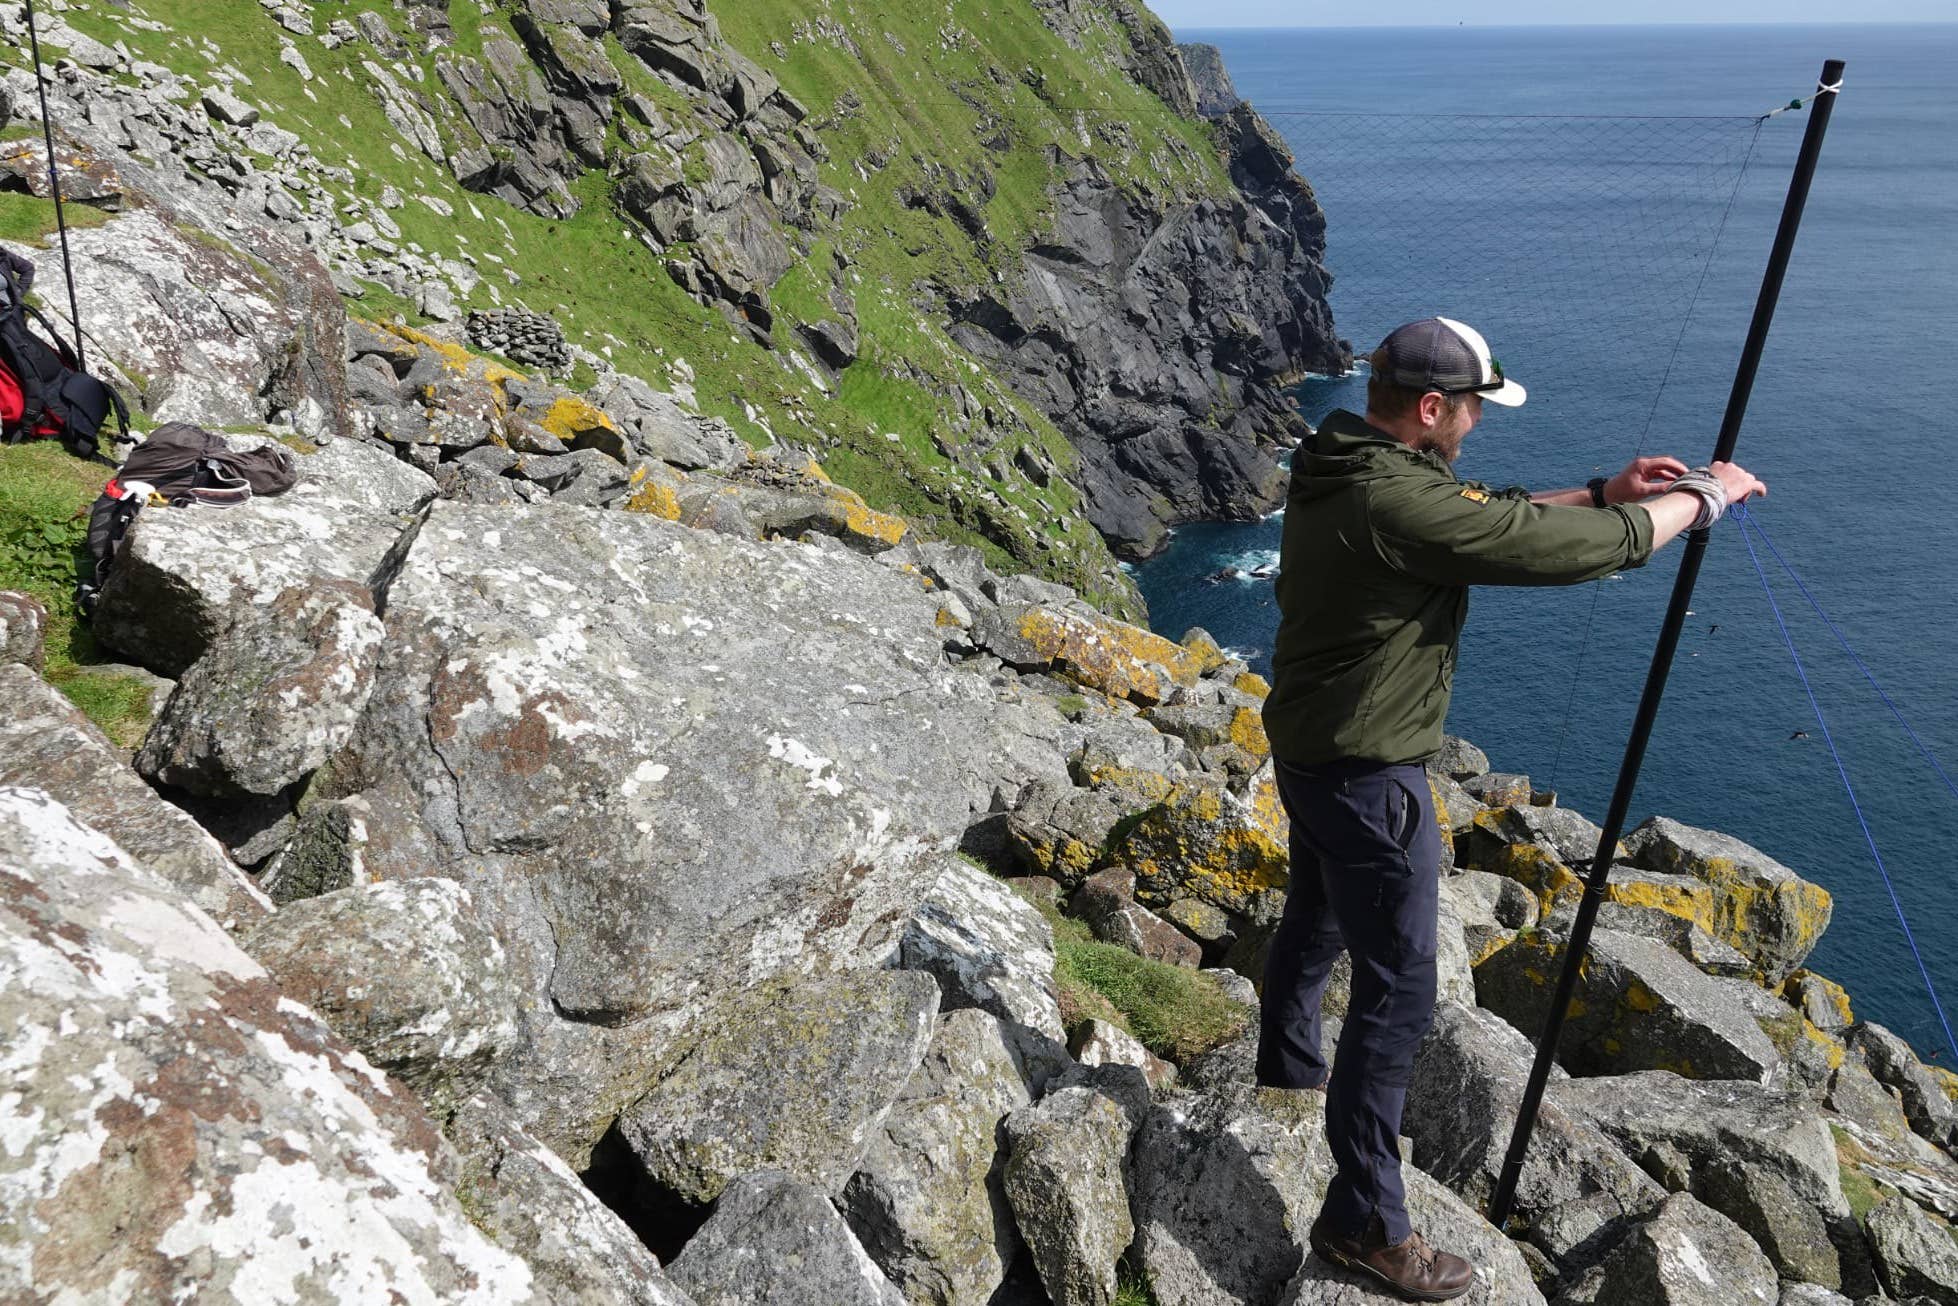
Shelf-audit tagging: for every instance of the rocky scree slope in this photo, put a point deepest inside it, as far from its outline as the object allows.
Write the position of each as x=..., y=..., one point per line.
x=641, y=871
x=630, y=868
x=991, y=263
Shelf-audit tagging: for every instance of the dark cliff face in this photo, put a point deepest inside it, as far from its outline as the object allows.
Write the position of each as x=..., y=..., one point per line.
x=1216, y=95
x=1158, y=338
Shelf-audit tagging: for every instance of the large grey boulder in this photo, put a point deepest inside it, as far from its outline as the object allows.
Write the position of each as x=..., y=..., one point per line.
x=276, y=694
x=1915, y=1255
x=46, y=742
x=218, y=337
x=178, y=1128
x=183, y=578
x=1067, y=1176
x=987, y=946
x=1463, y=1097
x=1767, y=911
x=926, y=1201
x=1680, y=1130
x=405, y=971
x=1788, y=1229
x=530, y=1202
x=669, y=764
x=795, y=1076
x=1640, y=1006
x=1687, y=1254
x=1228, y=1181
x=776, y=1241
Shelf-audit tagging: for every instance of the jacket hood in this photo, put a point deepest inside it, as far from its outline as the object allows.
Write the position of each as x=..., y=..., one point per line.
x=1345, y=449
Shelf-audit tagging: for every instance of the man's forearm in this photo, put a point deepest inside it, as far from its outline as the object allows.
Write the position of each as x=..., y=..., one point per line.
x=1578, y=498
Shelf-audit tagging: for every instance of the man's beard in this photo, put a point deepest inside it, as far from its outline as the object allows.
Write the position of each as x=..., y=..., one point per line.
x=1447, y=447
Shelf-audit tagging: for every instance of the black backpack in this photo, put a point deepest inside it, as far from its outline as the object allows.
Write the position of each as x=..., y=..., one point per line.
x=44, y=393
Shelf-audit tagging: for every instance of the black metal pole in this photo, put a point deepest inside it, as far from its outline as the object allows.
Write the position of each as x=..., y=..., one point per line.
x=54, y=184
x=1655, y=678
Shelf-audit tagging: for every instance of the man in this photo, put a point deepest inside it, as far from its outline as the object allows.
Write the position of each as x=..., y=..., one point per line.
x=1381, y=544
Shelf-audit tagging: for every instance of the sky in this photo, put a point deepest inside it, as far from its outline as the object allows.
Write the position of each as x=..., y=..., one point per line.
x=1184, y=15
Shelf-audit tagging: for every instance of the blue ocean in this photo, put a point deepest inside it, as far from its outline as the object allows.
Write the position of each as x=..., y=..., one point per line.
x=1600, y=202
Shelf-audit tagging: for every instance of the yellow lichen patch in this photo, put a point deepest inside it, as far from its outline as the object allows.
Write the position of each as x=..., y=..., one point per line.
x=655, y=500
x=1538, y=869
x=865, y=522
x=1205, y=842
x=1832, y=993
x=1832, y=1049
x=1112, y=657
x=1247, y=731
x=1640, y=998
x=1061, y=857
x=1152, y=786
x=1694, y=902
x=945, y=619
x=1253, y=684
x=570, y=417
x=1492, y=945
x=455, y=356
x=1443, y=824
x=814, y=471
x=1205, y=650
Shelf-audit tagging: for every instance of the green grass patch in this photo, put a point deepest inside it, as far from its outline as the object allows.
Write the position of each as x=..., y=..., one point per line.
x=45, y=494
x=29, y=220
x=1176, y=1013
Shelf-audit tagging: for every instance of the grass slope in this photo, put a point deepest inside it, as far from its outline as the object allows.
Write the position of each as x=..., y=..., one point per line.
x=909, y=96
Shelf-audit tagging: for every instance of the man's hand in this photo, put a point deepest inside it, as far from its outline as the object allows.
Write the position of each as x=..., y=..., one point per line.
x=1643, y=478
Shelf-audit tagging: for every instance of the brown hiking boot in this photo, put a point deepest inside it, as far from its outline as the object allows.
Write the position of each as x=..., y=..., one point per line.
x=1410, y=1267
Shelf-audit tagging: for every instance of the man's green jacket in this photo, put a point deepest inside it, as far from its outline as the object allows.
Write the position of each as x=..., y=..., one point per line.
x=1381, y=545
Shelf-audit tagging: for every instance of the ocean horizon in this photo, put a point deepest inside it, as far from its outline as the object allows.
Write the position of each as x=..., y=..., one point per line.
x=1599, y=200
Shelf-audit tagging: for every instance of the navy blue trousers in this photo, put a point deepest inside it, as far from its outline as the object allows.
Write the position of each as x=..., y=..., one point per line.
x=1366, y=856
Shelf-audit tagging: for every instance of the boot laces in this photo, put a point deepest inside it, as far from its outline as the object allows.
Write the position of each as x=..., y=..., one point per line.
x=1419, y=1248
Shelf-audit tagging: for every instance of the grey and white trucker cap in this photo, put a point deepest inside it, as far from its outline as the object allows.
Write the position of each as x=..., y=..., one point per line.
x=1450, y=357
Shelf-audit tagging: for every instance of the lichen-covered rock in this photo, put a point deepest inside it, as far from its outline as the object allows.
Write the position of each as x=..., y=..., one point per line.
x=1067, y=1178
x=1540, y=871
x=23, y=628
x=926, y=1201
x=1931, y=1113
x=177, y=1128
x=276, y=694
x=1500, y=789
x=1099, y=653
x=1461, y=1101
x=1207, y=841
x=987, y=947
x=774, y=1240
x=793, y=1075
x=1570, y=835
x=668, y=764
x=182, y=578
x=1685, y=1255
x=1062, y=832
x=1492, y=908
x=46, y=742
x=1638, y=1005
x=1106, y=901
x=406, y=972
x=1823, y=1001
x=1759, y=906
x=531, y=1203
x=1228, y=1181
x=1683, y=1129
x=1915, y=1254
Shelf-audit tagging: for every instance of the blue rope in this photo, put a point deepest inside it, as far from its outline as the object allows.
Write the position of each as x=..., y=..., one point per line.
x=1868, y=675
x=1744, y=519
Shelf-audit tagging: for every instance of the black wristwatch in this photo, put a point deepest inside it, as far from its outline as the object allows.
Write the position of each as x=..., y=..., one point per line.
x=1596, y=486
